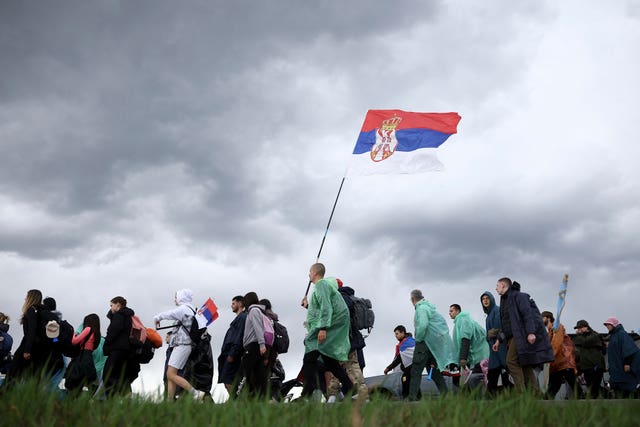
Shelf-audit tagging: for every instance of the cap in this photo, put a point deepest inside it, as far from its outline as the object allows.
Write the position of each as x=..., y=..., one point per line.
x=612, y=321
x=52, y=329
x=581, y=324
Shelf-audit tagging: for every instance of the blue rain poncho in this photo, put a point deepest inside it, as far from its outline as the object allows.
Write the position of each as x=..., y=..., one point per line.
x=431, y=328
x=327, y=310
x=465, y=327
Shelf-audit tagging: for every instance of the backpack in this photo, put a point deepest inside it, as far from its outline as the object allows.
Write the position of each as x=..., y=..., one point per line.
x=281, y=339
x=138, y=333
x=145, y=353
x=363, y=316
x=267, y=324
x=48, y=319
x=195, y=331
x=6, y=342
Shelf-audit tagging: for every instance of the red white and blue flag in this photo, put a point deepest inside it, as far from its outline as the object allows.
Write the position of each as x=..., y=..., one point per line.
x=207, y=313
x=396, y=141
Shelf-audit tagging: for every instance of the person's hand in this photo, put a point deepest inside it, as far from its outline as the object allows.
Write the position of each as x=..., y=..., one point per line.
x=322, y=336
x=531, y=338
x=229, y=359
x=386, y=371
x=627, y=368
x=304, y=302
x=26, y=356
x=495, y=346
x=263, y=350
x=157, y=325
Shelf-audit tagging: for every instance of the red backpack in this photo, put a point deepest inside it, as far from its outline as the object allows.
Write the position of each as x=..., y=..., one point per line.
x=138, y=334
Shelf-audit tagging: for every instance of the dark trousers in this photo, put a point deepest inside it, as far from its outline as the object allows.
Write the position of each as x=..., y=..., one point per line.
x=593, y=379
x=310, y=367
x=254, y=367
x=556, y=379
x=120, y=370
x=423, y=358
x=492, y=379
x=406, y=381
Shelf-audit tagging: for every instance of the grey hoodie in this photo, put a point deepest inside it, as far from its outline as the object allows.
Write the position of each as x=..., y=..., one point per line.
x=253, y=327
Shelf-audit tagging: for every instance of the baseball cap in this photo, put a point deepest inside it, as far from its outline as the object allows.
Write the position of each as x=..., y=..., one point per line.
x=581, y=324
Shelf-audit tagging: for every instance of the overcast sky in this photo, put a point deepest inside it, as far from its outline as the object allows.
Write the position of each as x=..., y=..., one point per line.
x=149, y=146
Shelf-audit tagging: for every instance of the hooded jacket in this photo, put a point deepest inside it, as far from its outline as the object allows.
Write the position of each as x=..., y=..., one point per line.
x=254, y=326
x=498, y=358
x=6, y=341
x=355, y=336
x=464, y=327
x=183, y=315
x=327, y=310
x=623, y=351
x=521, y=312
x=118, y=332
x=431, y=328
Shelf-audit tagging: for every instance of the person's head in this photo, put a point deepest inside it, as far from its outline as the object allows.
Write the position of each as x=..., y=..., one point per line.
x=503, y=285
x=611, y=323
x=416, y=296
x=547, y=318
x=93, y=321
x=316, y=272
x=266, y=303
x=454, y=310
x=117, y=304
x=184, y=296
x=4, y=318
x=34, y=297
x=237, y=304
x=250, y=299
x=400, y=332
x=485, y=300
x=50, y=303
x=582, y=327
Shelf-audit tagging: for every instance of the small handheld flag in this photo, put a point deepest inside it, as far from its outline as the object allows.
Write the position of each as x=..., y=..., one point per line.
x=207, y=313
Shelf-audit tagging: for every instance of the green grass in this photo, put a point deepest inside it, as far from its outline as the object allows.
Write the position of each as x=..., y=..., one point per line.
x=27, y=405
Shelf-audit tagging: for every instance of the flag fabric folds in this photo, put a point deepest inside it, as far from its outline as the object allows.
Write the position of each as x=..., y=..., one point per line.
x=207, y=313
x=396, y=141
x=562, y=294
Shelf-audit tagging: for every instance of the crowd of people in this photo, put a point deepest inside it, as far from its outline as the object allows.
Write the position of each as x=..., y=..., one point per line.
x=513, y=350
x=509, y=352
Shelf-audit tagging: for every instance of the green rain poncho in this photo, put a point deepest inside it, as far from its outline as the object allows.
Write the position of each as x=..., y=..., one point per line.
x=465, y=327
x=327, y=310
x=431, y=328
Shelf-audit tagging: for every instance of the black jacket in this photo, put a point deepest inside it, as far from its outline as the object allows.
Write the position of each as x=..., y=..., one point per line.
x=355, y=337
x=118, y=332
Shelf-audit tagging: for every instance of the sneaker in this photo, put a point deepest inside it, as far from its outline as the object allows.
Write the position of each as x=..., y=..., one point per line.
x=195, y=394
x=451, y=371
x=331, y=399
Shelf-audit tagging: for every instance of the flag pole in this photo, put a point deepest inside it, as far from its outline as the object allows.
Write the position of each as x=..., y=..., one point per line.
x=327, y=229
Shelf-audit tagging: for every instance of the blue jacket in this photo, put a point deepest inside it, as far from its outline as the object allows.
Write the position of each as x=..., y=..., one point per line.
x=621, y=351
x=232, y=344
x=524, y=317
x=496, y=358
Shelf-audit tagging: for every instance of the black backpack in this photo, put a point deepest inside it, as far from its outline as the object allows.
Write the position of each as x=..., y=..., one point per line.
x=145, y=353
x=363, y=315
x=196, y=333
x=281, y=339
x=63, y=342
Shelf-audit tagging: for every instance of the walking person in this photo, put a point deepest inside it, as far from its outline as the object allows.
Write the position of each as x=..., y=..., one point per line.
x=523, y=331
x=434, y=349
x=497, y=368
x=256, y=354
x=229, y=361
x=180, y=341
x=624, y=360
x=120, y=369
x=327, y=332
x=82, y=371
x=589, y=356
x=563, y=367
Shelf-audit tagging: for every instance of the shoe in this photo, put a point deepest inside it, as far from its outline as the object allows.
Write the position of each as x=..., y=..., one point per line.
x=195, y=394
x=451, y=371
x=331, y=399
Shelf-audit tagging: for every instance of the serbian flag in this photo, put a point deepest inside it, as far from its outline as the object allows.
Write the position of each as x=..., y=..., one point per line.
x=396, y=141
x=207, y=313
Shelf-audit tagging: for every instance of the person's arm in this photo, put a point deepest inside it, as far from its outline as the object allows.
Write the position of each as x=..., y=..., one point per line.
x=465, y=345
x=396, y=361
x=77, y=339
x=236, y=349
x=526, y=313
